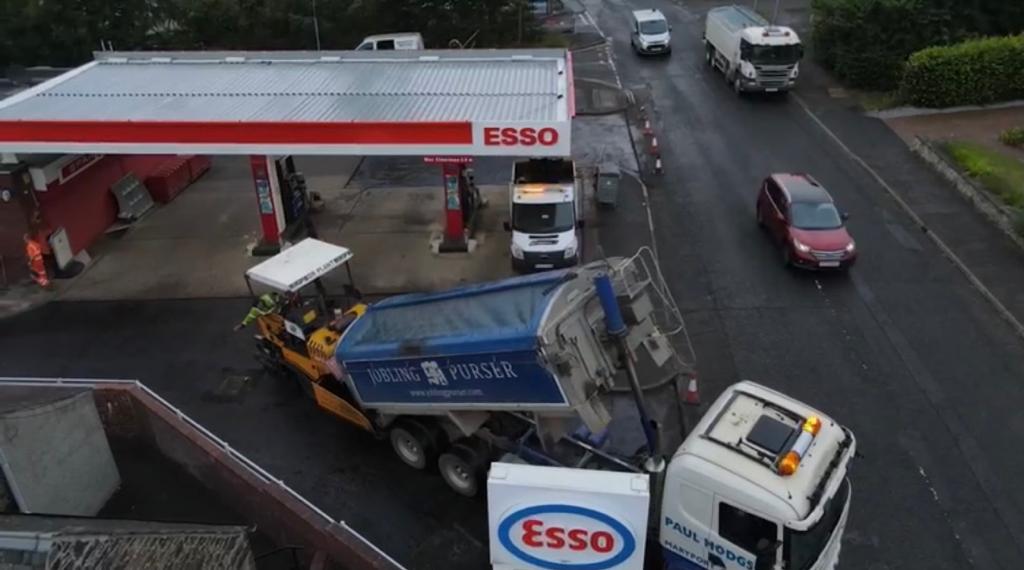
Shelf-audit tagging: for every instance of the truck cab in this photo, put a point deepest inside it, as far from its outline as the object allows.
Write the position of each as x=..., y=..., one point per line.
x=754, y=54
x=545, y=215
x=759, y=484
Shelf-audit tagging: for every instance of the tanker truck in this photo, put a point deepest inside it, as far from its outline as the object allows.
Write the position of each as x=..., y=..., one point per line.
x=753, y=54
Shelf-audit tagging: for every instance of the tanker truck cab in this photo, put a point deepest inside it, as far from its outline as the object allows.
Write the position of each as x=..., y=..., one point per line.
x=545, y=215
x=761, y=483
x=754, y=54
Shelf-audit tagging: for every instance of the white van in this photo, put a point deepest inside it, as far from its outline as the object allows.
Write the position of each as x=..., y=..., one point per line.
x=651, y=32
x=401, y=41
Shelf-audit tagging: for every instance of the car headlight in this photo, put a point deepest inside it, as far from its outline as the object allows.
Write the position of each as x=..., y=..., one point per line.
x=570, y=251
x=517, y=252
x=800, y=246
x=852, y=247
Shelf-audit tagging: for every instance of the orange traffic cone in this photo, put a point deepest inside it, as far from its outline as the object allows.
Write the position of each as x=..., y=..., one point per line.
x=692, y=396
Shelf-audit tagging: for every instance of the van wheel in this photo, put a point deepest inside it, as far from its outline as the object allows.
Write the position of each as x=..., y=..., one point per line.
x=709, y=56
x=414, y=444
x=463, y=467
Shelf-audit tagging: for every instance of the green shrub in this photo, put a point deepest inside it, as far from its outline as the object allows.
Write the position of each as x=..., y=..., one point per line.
x=1013, y=136
x=865, y=42
x=973, y=72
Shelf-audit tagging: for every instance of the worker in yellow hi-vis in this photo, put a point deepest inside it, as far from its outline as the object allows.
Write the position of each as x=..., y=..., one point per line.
x=264, y=305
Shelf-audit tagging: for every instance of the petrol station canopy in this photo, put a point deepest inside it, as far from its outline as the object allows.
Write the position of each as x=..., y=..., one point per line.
x=423, y=103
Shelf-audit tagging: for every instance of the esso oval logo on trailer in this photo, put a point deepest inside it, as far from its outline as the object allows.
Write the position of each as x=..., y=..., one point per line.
x=522, y=136
x=566, y=537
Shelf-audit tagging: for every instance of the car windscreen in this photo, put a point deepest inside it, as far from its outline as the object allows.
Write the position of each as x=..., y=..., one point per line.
x=814, y=216
x=653, y=27
x=542, y=218
x=771, y=55
x=803, y=548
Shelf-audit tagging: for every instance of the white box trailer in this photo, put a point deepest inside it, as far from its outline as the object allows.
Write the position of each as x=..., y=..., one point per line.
x=753, y=54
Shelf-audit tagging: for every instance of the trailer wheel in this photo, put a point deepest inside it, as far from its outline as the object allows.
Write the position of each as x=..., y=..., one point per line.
x=462, y=468
x=413, y=444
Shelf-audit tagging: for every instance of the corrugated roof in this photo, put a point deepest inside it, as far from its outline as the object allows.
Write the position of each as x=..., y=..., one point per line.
x=464, y=85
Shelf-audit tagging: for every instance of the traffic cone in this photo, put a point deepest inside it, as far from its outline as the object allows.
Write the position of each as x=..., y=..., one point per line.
x=657, y=165
x=654, y=145
x=692, y=396
x=647, y=128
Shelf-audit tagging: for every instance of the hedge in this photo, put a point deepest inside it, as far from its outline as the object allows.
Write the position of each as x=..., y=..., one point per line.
x=973, y=72
x=866, y=42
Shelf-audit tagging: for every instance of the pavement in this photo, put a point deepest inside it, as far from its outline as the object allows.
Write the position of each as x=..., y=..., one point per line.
x=904, y=350
x=981, y=126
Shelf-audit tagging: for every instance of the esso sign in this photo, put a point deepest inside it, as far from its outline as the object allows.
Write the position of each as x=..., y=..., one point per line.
x=566, y=537
x=520, y=136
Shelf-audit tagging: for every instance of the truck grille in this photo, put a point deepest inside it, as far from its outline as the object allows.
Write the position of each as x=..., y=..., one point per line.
x=773, y=75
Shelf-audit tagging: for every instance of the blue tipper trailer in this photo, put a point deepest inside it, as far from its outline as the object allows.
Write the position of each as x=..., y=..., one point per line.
x=515, y=366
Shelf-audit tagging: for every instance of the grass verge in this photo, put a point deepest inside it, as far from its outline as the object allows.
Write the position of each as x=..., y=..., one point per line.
x=999, y=173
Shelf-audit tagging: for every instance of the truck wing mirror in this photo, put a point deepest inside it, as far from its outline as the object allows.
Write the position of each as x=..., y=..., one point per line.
x=507, y=225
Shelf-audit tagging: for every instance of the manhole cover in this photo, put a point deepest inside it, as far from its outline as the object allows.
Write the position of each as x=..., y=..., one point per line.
x=231, y=389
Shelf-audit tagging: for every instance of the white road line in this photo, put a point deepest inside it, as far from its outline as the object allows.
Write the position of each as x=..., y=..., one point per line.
x=945, y=249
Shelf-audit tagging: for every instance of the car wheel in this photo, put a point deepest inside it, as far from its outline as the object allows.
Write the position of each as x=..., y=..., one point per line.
x=787, y=257
x=760, y=217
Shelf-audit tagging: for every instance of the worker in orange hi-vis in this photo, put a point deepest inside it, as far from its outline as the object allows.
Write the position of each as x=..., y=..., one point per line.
x=34, y=253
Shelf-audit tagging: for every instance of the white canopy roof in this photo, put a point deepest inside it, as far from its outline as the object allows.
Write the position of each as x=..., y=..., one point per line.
x=299, y=265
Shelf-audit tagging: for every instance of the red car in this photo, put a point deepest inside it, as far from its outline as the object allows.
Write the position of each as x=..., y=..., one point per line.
x=800, y=216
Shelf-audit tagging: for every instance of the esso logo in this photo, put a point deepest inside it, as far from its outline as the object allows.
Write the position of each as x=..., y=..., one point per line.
x=566, y=537
x=525, y=136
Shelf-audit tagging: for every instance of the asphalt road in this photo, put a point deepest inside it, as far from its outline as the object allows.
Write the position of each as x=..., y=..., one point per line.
x=902, y=349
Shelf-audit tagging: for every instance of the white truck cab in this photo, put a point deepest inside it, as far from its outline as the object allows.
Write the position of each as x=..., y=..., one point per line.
x=399, y=41
x=544, y=205
x=651, y=33
x=759, y=484
x=753, y=54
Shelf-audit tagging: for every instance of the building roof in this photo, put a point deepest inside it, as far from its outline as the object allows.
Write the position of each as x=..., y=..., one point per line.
x=207, y=97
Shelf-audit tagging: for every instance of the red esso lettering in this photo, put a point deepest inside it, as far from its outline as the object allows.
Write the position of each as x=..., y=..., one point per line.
x=535, y=535
x=526, y=136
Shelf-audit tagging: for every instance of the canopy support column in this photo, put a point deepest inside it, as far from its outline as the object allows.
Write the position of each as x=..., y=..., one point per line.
x=268, y=199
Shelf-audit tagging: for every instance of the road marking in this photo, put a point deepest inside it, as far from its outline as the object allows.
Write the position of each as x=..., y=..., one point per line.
x=945, y=249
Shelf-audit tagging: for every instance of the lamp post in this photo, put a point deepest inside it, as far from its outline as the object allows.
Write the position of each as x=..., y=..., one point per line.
x=316, y=27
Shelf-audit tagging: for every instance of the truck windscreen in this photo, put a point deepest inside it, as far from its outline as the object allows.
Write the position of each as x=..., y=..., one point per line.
x=542, y=218
x=802, y=549
x=771, y=55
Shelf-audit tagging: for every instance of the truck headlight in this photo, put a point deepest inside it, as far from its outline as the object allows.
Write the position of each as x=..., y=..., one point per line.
x=796, y=71
x=748, y=71
x=517, y=252
x=570, y=251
